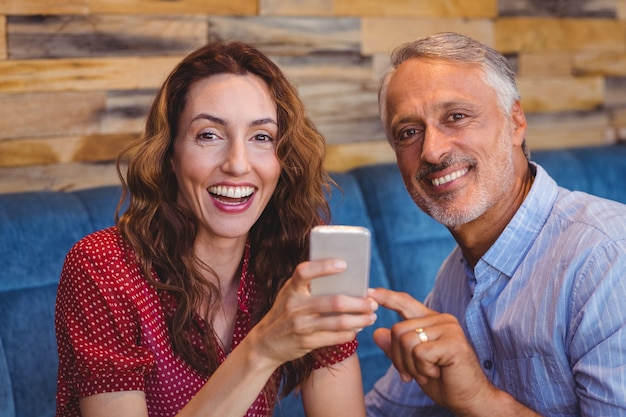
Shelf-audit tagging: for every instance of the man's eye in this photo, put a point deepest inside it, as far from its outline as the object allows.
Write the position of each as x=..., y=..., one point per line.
x=456, y=116
x=408, y=133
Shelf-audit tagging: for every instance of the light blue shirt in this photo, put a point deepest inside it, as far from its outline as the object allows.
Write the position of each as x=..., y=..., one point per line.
x=544, y=309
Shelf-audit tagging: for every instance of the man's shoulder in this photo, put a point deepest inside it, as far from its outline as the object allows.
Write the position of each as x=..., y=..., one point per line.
x=586, y=212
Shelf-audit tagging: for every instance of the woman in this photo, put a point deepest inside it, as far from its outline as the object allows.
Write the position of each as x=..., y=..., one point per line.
x=197, y=302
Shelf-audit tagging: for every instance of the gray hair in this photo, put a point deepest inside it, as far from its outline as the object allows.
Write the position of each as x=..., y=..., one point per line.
x=451, y=46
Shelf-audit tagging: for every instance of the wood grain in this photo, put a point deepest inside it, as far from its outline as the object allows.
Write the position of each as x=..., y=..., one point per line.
x=382, y=35
x=68, y=36
x=553, y=35
x=418, y=8
x=296, y=7
x=3, y=39
x=18, y=76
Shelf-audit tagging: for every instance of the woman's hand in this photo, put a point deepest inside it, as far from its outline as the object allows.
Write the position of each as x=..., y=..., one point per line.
x=298, y=322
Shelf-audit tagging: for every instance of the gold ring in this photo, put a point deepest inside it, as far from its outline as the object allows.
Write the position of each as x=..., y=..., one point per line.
x=422, y=335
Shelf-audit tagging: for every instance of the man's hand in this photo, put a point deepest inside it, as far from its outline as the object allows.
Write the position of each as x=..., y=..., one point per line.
x=441, y=360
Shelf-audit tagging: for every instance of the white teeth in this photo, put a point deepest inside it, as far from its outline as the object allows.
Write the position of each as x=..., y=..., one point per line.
x=450, y=177
x=231, y=192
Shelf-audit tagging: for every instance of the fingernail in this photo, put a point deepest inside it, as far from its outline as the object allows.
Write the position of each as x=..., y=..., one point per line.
x=373, y=318
x=340, y=264
x=373, y=305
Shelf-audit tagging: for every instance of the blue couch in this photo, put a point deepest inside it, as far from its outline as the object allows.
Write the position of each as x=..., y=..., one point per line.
x=38, y=228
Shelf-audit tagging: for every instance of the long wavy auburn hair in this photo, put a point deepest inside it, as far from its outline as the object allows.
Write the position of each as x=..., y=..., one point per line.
x=162, y=232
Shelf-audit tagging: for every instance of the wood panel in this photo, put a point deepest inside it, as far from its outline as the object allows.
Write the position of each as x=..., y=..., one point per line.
x=340, y=158
x=615, y=96
x=382, y=35
x=44, y=7
x=67, y=36
x=17, y=76
x=296, y=7
x=58, y=177
x=560, y=8
x=569, y=129
x=3, y=39
x=559, y=94
x=292, y=37
x=618, y=124
x=610, y=64
x=208, y=7
x=555, y=64
x=418, y=8
x=77, y=76
x=50, y=114
x=63, y=149
x=554, y=35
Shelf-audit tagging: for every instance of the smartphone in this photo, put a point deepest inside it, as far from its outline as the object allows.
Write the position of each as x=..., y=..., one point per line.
x=349, y=243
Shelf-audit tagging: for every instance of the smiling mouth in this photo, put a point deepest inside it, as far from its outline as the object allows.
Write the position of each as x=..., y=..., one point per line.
x=231, y=194
x=449, y=177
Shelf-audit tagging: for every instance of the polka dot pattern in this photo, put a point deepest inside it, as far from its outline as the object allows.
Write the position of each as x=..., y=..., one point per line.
x=112, y=333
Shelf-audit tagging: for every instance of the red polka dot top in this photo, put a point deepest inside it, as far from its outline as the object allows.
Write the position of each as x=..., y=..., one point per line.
x=112, y=333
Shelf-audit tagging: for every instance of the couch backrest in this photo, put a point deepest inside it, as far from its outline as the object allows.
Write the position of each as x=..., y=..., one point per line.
x=412, y=245
x=37, y=230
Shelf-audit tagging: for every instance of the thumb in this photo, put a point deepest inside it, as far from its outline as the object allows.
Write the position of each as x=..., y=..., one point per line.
x=382, y=337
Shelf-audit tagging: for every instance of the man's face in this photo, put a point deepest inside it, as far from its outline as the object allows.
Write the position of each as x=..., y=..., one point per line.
x=453, y=144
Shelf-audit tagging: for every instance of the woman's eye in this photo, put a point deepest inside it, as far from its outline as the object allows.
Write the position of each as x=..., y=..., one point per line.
x=262, y=137
x=207, y=136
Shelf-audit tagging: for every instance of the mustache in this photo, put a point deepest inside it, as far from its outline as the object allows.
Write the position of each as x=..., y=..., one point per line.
x=428, y=169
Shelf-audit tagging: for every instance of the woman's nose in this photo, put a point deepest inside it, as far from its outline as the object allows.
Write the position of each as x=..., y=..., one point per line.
x=237, y=160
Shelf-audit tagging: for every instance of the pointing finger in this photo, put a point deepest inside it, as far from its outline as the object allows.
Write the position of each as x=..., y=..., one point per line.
x=402, y=303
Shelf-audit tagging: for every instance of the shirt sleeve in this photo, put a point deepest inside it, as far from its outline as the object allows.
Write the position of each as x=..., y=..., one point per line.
x=332, y=355
x=598, y=332
x=392, y=397
x=97, y=324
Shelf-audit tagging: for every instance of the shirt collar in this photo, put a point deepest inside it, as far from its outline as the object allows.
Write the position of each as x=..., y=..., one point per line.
x=515, y=241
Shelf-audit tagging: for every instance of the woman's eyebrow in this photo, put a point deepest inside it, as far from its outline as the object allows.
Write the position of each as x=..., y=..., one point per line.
x=260, y=122
x=214, y=119
x=210, y=118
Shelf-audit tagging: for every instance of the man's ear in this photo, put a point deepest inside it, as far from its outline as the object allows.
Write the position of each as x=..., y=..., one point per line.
x=518, y=124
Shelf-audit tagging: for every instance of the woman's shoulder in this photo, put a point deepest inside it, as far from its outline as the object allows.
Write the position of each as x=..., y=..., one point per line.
x=107, y=240
x=106, y=258
x=102, y=248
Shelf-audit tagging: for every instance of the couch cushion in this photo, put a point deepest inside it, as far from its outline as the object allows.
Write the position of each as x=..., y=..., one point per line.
x=27, y=334
x=37, y=230
x=584, y=169
x=412, y=245
x=7, y=408
x=348, y=207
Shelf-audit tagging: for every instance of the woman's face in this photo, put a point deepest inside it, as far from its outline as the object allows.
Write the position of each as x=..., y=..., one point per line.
x=225, y=153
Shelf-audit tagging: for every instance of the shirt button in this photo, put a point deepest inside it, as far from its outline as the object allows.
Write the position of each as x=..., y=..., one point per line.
x=487, y=364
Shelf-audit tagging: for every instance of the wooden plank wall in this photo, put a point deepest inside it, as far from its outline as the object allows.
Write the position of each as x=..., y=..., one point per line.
x=77, y=76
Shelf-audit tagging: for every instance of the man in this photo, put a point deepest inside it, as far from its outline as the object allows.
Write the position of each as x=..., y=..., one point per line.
x=527, y=314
